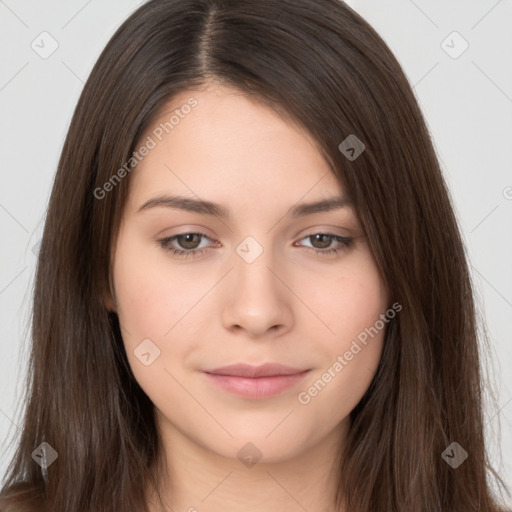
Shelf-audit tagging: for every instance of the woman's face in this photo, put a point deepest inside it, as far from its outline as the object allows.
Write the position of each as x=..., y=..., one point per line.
x=258, y=288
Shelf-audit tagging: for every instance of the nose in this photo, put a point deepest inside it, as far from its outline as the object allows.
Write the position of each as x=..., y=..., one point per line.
x=258, y=300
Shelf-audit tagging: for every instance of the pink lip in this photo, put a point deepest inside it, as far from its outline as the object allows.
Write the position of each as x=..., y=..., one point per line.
x=255, y=381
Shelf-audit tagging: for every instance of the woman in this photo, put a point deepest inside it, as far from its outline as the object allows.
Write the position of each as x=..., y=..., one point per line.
x=251, y=291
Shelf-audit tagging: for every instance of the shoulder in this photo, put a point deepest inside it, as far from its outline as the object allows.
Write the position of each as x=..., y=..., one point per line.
x=16, y=501
x=9, y=506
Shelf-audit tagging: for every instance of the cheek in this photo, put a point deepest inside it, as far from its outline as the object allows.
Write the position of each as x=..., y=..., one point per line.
x=352, y=355
x=151, y=295
x=350, y=304
x=346, y=301
x=147, y=308
x=360, y=302
x=158, y=302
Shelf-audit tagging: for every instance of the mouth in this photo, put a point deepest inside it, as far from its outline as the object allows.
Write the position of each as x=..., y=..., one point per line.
x=256, y=382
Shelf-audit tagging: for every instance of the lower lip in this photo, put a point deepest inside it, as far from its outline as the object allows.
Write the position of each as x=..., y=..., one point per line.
x=256, y=387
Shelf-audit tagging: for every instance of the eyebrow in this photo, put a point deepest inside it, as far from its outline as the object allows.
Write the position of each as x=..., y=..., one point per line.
x=210, y=208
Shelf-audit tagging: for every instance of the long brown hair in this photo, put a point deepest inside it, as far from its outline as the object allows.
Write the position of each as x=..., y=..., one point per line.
x=321, y=64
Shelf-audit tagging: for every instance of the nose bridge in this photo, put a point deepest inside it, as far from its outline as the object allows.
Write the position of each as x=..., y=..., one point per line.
x=253, y=278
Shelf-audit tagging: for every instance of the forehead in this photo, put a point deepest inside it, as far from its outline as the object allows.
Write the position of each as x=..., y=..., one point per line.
x=229, y=148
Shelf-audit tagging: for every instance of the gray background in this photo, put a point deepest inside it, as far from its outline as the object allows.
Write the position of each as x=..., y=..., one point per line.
x=466, y=99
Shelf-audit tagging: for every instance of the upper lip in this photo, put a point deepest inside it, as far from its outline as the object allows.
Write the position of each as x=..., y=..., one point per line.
x=264, y=370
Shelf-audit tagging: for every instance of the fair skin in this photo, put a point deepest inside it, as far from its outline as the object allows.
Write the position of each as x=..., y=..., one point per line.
x=290, y=306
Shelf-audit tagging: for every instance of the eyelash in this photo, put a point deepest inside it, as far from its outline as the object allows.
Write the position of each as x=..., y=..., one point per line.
x=182, y=253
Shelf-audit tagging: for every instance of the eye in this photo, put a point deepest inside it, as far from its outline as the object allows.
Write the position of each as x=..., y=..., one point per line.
x=189, y=243
x=322, y=243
